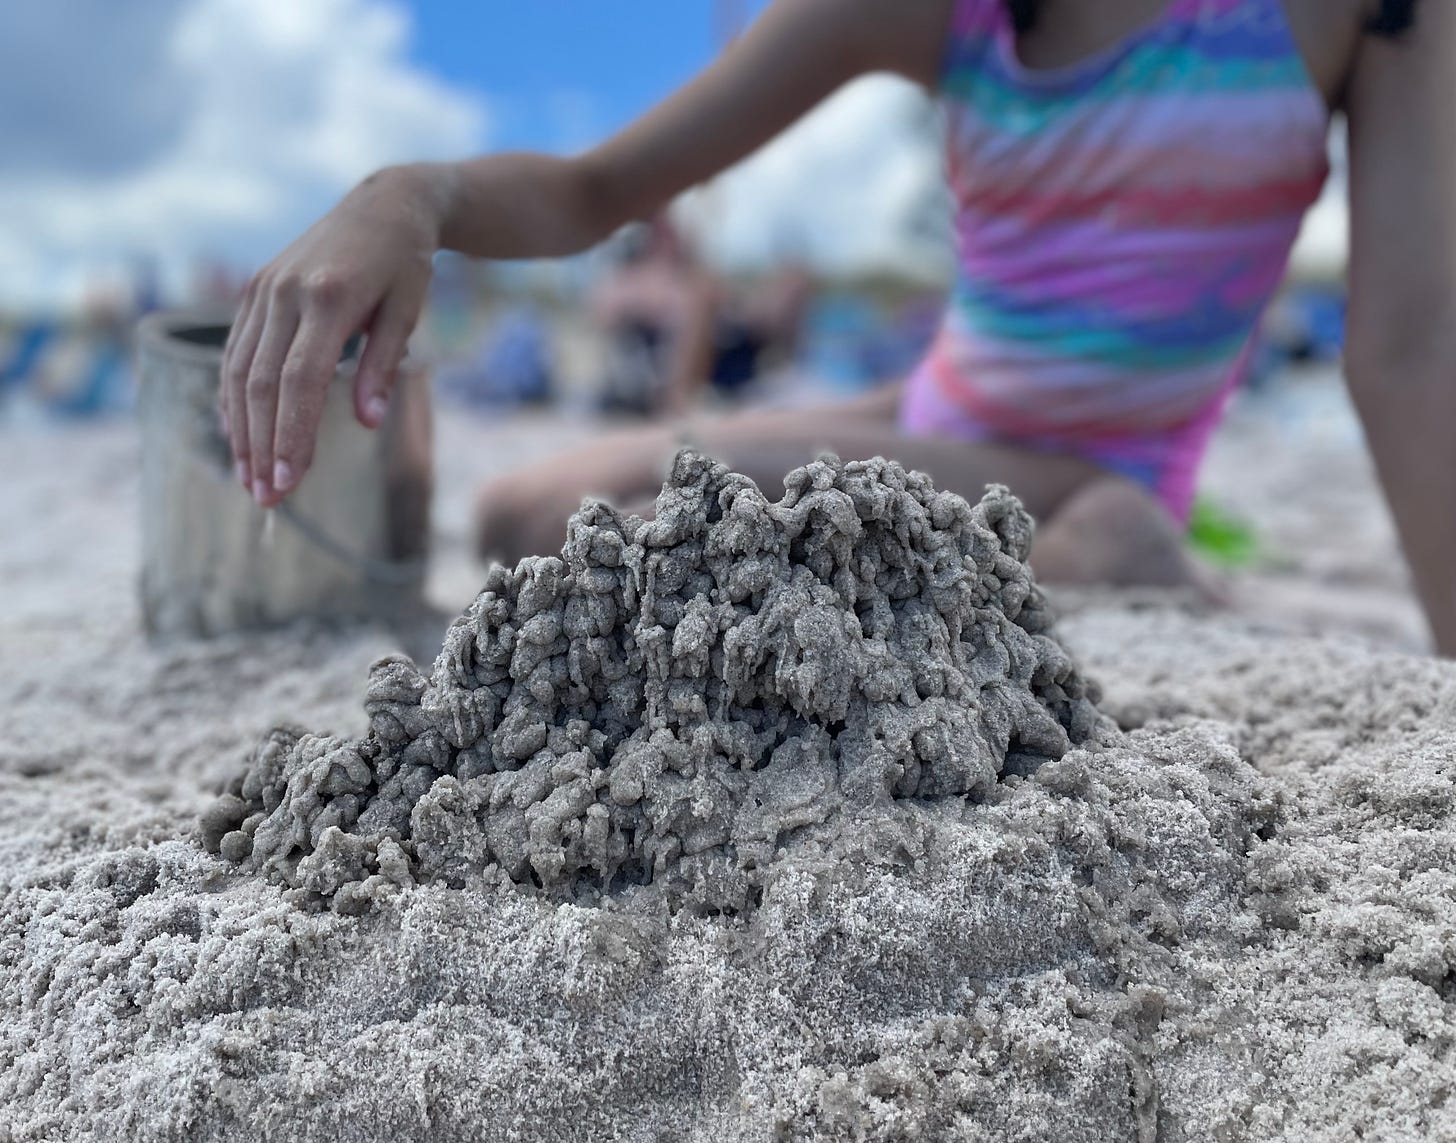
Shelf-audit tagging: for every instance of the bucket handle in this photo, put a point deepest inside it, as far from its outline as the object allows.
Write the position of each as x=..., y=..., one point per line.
x=394, y=573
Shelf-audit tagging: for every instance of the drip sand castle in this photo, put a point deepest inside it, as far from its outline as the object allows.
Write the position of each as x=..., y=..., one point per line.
x=762, y=820
x=671, y=701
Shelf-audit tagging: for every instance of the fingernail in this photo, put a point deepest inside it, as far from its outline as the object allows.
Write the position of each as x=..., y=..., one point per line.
x=282, y=475
x=244, y=476
x=260, y=490
x=375, y=407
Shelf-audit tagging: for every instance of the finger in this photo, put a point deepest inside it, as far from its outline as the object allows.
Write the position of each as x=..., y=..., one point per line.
x=388, y=339
x=262, y=393
x=247, y=304
x=303, y=389
x=237, y=359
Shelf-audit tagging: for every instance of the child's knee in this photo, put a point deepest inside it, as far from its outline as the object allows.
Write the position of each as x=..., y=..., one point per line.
x=1111, y=532
x=1115, y=506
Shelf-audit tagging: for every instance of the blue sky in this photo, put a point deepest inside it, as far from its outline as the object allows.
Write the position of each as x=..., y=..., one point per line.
x=559, y=74
x=191, y=134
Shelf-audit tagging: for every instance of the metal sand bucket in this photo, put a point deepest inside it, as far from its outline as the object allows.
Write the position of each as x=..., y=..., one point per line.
x=349, y=542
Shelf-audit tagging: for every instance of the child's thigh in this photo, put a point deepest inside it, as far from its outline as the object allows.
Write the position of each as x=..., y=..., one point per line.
x=767, y=450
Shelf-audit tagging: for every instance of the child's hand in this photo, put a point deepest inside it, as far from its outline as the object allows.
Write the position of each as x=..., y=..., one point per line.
x=364, y=266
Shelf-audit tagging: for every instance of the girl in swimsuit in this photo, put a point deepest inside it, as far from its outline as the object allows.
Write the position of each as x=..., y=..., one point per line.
x=1129, y=177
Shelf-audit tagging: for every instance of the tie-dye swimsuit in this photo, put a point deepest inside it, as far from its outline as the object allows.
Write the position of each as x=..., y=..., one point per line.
x=1121, y=225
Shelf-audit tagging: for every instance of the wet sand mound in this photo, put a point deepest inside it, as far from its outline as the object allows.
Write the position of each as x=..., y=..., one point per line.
x=1230, y=919
x=948, y=971
x=673, y=701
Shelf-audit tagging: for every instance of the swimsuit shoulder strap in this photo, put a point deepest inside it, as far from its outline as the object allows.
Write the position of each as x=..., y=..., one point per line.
x=974, y=27
x=974, y=22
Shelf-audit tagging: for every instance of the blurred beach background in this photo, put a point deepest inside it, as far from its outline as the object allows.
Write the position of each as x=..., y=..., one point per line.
x=159, y=152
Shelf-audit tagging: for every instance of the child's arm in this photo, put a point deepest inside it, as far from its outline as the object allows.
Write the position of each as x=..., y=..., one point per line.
x=366, y=264
x=1401, y=354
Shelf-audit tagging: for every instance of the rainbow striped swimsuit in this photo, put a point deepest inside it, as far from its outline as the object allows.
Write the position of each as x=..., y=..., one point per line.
x=1121, y=225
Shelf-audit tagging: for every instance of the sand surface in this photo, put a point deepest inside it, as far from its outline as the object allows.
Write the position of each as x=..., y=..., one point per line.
x=1231, y=915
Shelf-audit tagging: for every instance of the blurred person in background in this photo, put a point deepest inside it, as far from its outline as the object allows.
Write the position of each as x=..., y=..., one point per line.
x=1129, y=177
x=77, y=368
x=655, y=309
x=510, y=366
x=673, y=329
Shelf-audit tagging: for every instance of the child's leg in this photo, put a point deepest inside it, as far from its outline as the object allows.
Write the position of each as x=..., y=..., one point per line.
x=1113, y=532
x=525, y=511
x=1096, y=528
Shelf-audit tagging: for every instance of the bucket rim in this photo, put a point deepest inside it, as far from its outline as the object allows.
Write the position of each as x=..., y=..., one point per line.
x=160, y=332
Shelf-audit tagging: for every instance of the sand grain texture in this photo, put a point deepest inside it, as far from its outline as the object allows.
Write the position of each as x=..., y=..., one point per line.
x=1234, y=918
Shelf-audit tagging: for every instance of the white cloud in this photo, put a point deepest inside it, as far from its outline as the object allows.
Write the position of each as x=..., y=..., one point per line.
x=181, y=129
x=856, y=186
x=259, y=114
